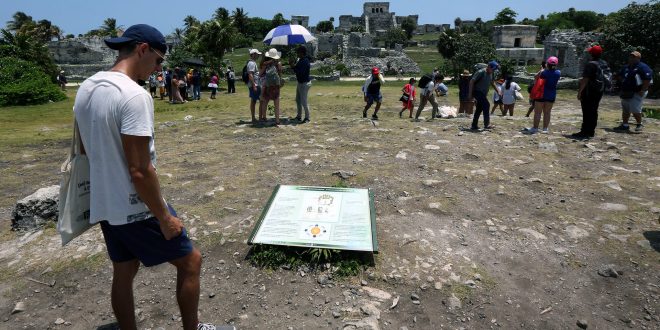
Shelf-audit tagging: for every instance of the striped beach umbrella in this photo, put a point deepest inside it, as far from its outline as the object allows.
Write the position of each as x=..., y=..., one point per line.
x=288, y=34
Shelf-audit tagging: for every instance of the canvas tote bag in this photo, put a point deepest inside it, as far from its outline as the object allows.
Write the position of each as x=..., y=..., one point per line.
x=73, y=218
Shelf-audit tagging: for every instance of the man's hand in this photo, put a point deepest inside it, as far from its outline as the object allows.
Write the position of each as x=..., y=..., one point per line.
x=171, y=227
x=365, y=98
x=579, y=95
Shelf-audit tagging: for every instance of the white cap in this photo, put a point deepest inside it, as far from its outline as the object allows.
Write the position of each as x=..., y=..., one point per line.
x=255, y=51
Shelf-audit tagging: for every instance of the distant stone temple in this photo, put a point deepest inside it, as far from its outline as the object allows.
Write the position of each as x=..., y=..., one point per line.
x=570, y=47
x=376, y=19
x=517, y=42
x=300, y=20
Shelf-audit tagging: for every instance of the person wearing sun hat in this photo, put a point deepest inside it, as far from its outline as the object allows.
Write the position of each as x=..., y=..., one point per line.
x=115, y=117
x=371, y=90
x=271, y=81
x=253, y=86
x=466, y=105
x=592, y=86
x=636, y=78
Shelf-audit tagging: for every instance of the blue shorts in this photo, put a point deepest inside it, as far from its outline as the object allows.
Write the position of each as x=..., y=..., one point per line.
x=254, y=96
x=144, y=241
x=371, y=98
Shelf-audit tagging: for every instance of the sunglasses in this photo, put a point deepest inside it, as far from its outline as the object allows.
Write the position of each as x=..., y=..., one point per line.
x=162, y=57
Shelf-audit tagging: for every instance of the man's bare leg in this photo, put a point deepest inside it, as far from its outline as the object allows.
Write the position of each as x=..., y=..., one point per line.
x=187, y=287
x=122, y=293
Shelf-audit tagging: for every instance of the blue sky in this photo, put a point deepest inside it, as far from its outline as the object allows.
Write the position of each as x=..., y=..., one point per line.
x=80, y=16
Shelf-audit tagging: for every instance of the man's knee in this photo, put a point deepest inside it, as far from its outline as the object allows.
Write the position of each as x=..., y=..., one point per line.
x=125, y=270
x=189, y=264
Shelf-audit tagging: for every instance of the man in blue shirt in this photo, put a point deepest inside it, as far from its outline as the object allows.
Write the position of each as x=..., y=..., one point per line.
x=301, y=68
x=636, y=78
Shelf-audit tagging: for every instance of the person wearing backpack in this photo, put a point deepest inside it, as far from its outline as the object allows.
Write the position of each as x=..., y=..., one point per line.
x=592, y=87
x=371, y=90
x=636, y=78
x=251, y=79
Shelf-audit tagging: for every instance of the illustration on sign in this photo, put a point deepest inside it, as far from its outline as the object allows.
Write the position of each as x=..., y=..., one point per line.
x=325, y=217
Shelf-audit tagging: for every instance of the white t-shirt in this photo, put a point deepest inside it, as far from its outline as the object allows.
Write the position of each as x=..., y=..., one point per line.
x=107, y=105
x=509, y=94
x=428, y=90
x=252, y=67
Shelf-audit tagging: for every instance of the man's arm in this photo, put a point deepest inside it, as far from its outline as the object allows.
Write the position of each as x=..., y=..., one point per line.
x=645, y=87
x=144, y=178
x=583, y=84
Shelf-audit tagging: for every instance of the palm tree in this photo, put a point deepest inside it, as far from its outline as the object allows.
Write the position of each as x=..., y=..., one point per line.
x=221, y=14
x=189, y=22
x=109, y=27
x=240, y=18
x=457, y=23
x=19, y=19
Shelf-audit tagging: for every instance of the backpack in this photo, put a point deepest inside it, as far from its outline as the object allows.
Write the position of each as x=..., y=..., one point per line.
x=603, y=82
x=272, y=76
x=245, y=76
x=424, y=80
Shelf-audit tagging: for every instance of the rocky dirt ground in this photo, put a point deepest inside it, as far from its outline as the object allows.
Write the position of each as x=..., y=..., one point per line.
x=492, y=229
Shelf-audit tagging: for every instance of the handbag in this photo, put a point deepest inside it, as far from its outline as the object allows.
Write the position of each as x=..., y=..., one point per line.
x=73, y=217
x=519, y=96
x=537, y=90
x=404, y=98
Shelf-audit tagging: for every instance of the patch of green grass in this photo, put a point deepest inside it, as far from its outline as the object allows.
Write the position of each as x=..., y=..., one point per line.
x=343, y=263
x=341, y=183
x=651, y=112
x=426, y=57
x=426, y=36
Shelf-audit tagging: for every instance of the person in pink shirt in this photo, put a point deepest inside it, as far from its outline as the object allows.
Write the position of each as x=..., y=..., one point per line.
x=408, y=97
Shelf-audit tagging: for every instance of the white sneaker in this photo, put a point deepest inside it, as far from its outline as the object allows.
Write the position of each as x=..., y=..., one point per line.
x=545, y=131
x=205, y=326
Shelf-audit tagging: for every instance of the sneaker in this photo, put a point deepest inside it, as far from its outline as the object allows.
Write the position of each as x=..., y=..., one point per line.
x=306, y=120
x=364, y=114
x=374, y=117
x=531, y=130
x=545, y=131
x=474, y=128
x=622, y=128
x=205, y=326
x=639, y=128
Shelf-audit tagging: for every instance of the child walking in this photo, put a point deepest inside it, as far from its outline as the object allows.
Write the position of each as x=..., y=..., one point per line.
x=408, y=97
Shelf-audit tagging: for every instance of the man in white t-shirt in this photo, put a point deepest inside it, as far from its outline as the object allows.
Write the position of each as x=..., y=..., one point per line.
x=254, y=87
x=428, y=96
x=115, y=116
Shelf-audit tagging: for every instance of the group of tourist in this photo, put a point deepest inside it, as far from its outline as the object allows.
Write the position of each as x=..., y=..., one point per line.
x=264, y=81
x=635, y=79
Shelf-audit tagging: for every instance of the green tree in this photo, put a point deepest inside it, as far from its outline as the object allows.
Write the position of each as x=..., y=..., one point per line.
x=395, y=36
x=278, y=20
x=240, y=20
x=408, y=24
x=634, y=27
x=24, y=83
x=27, y=47
x=447, y=42
x=109, y=27
x=505, y=16
x=190, y=21
x=325, y=26
x=19, y=19
x=221, y=14
x=472, y=49
x=211, y=39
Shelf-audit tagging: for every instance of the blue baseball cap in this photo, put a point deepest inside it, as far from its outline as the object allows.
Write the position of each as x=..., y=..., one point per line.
x=493, y=65
x=139, y=33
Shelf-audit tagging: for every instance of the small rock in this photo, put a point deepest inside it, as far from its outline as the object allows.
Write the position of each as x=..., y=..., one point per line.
x=211, y=295
x=414, y=296
x=548, y=147
x=471, y=284
x=336, y=314
x=575, y=232
x=344, y=174
x=401, y=155
x=479, y=172
x=582, y=324
x=188, y=118
x=608, y=271
x=535, y=180
x=307, y=161
x=317, y=313
x=363, y=283
x=19, y=307
x=323, y=279
x=59, y=321
x=431, y=147
x=431, y=183
x=613, y=207
x=454, y=302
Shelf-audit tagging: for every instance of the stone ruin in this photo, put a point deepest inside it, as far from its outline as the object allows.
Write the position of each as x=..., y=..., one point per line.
x=300, y=20
x=356, y=51
x=376, y=19
x=570, y=47
x=82, y=57
x=517, y=42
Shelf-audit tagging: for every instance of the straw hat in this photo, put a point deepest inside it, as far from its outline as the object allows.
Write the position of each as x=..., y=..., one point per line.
x=273, y=53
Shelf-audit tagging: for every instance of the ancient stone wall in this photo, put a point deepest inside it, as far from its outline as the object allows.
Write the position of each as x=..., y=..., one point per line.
x=346, y=22
x=570, y=47
x=515, y=36
x=300, y=20
x=329, y=43
x=522, y=56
